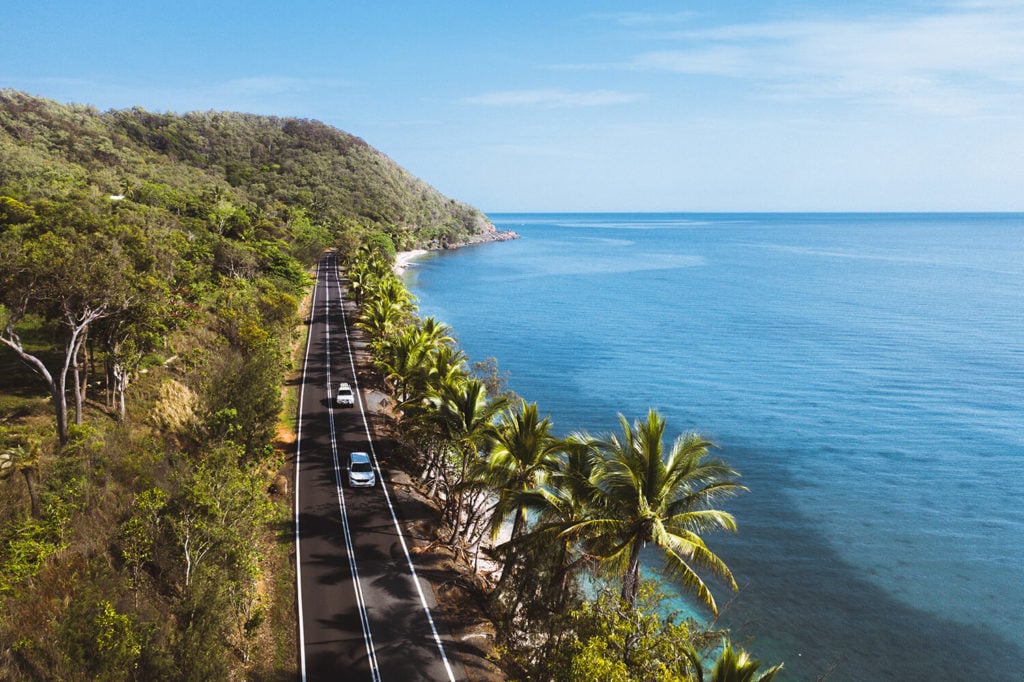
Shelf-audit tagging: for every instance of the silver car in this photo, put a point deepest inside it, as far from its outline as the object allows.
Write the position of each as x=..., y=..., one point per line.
x=360, y=471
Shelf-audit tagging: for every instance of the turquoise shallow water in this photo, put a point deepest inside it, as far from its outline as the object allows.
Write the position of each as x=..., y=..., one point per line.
x=864, y=372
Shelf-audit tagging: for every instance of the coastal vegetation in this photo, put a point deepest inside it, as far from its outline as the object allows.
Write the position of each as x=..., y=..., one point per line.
x=563, y=519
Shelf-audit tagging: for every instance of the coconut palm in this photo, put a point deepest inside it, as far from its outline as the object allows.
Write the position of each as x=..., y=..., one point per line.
x=447, y=367
x=382, y=317
x=523, y=449
x=434, y=332
x=561, y=500
x=405, y=361
x=647, y=495
x=737, y=666
x=465, y=417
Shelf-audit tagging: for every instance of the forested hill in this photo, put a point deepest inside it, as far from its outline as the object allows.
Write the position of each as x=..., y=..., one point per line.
x=258, y=169
x=151, y=273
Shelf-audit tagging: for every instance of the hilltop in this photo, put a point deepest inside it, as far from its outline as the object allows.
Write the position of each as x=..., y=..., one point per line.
x=270, y=167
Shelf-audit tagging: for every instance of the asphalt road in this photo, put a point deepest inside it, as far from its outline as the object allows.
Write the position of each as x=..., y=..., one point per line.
x=363, y=613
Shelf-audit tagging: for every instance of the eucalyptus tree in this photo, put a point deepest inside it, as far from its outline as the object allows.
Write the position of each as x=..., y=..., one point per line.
x=648, y=495
x=71, y=279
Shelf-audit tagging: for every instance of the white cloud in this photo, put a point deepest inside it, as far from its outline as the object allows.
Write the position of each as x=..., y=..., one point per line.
x=634, y=19
x=552, y=98
x=968, y=61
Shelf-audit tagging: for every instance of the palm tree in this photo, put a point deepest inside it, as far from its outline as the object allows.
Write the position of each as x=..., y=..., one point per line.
x=738, y=666
x=465, y=417
x=382, y=317
x=404, y=361
x=447, y=366
x=561, y=500
x=435, y=333
x=646, y=495
x=359, y=275
x=523, y=449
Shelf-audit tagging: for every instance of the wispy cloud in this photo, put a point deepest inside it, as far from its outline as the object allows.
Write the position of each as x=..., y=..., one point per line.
x=966, y=60
x=552, y=98
x=644, y=19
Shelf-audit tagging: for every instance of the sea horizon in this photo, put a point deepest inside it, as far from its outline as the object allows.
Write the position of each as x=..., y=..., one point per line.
x=839, y=360
x=505, y=214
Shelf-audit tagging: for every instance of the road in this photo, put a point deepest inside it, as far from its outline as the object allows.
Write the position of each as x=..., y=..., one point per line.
x=363, y=612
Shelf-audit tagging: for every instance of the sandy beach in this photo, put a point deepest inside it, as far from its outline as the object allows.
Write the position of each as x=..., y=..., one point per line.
x=403, y=259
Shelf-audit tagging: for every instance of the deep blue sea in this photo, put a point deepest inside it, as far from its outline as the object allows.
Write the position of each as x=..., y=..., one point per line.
x=864, y=372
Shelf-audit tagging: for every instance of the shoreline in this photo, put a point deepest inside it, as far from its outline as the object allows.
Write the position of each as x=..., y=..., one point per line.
x=405, y=259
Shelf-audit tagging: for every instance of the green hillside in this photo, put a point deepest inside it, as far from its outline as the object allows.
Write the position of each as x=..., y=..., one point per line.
x=270, y=168
x=151, y=273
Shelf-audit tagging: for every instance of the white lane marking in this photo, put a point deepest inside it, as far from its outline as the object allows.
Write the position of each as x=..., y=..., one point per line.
x=364, y=617
x=387, y=497
x=298, y=462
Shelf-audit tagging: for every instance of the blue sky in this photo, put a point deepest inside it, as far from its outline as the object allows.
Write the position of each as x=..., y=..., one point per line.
x=587, y=106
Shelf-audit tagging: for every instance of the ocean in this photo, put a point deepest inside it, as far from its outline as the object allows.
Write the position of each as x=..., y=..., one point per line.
x=864, y=373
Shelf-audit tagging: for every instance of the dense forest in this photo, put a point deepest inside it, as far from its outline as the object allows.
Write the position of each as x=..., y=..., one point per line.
x=151, y=272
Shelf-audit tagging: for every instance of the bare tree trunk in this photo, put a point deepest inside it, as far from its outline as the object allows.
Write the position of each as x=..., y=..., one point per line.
x=79, y=327
x=108, y=370
x=120, y=386
x=33, y=494
x=13, y=341
x=77, y=378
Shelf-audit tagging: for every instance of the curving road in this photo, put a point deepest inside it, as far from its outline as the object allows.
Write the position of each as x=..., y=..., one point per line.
x=363, y=612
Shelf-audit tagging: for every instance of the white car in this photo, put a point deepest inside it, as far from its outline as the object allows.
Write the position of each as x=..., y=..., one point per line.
x=360, y=471
x=346, y=398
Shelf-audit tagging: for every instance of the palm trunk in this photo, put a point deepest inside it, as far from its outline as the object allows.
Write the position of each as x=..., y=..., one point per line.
x=510, y=557
x=631, y=580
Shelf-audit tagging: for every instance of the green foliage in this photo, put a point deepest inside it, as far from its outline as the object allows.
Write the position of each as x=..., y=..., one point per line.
x=13, y=212
x=737, y=666
x=139, y=532
x=381, y=243
x=25, y=553
x=29, y=545
x=308, y=240
x=609, y=639
x=645, y=494
x=567, y=507
x=157, y=262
